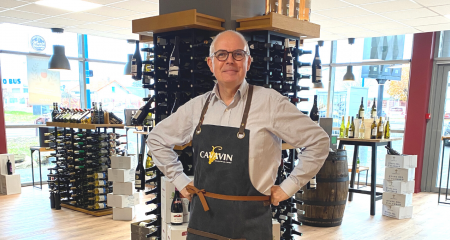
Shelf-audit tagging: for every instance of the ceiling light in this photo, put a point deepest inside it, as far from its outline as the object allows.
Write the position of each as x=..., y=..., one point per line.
x=349, y=76
x=69, y=5
x=58, y=60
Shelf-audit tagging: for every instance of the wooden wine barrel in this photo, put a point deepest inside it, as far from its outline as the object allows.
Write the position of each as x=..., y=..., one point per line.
x=325, y=205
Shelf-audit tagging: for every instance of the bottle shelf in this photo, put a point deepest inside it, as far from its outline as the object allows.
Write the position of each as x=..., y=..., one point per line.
x=97, y=213
x=369, y=140
x=177, y=21
x=83, y=126
x=281, y=24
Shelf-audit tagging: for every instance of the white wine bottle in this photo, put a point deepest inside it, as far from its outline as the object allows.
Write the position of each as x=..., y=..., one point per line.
x=361, y=109
x=351, y=130
x=387, y=130
x=373, y=129
x=362, y=129
x=348, y=126
x=374, y=109
x=342, y=128
x=380, y=127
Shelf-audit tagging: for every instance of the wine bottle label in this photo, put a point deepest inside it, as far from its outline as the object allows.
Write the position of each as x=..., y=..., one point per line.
x=380, y=129
x=176, y=217
x=102, y=205
x=350, y=133
x=289, y=69
x=102, y=183
x=374, y=132
x=101, y=190
x=318, y=74
x=138, y=182
x=374, y=114
x=361, y=114
x=101, y=198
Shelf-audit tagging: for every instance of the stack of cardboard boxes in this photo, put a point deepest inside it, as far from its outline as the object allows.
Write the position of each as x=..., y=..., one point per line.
x=398, y=186
x=9, y=184
x=124, y=197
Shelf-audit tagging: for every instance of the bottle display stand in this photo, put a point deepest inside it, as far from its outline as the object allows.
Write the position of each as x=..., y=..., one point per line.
x=66, y=182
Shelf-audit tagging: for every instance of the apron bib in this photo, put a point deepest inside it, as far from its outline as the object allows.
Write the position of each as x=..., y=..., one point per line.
x=221, y=156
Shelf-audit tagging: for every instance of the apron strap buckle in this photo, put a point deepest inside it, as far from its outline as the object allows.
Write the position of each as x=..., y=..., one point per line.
x=200, y=193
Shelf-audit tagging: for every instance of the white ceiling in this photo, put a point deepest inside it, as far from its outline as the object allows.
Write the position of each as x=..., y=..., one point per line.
x=339, y=19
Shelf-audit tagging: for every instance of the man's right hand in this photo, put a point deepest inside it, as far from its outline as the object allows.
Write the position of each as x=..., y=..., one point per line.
x=185, y=193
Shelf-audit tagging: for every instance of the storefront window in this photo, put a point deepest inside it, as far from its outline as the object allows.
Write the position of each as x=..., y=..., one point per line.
x=324, y=52
x=322, y=93
x=35, y=40
x=109, y=49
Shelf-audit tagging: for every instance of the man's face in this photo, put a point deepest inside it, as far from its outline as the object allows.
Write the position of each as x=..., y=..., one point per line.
x=230, y=71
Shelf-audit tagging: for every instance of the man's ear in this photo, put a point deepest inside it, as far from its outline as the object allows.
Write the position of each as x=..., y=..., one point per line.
x=249, y=62
x=210, y=64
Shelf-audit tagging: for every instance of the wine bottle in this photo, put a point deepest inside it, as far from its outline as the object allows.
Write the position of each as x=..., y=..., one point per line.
x=357, y=163
x=136, y=64
x=9, y=167
x=298, y=99
x=174, y=64
x=348, y=126
x=314, y=114
x=317, y=67
x=373, y=129
x=55, y=111
x=374, y=109
x=98, y=198
x=148, y=67
x=140, y=115
x=387, y=130
x=101, y=115
x=380, y=129
x=391, y=151
x=176, y=210
x=140, y=174
x=361, y=109
x=342, y=128
x=305, y=10
x=98, y=206
x=351, y=130
x=149, y=164
x=362, y=129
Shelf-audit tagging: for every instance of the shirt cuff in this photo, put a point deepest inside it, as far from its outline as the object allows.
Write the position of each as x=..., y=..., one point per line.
x=289, y=186
x=181, y=181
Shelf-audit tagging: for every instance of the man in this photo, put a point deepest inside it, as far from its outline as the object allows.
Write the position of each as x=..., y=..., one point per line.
x=236, y=132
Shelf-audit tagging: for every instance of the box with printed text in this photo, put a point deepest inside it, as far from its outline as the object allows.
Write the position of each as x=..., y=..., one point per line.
x=123, y=188
x=122, y=162
x=395, y=199
x=398, y=186
x=401, y=161
x=397, y=211
x=124, y=214
x=121, y=175
x=122, y=201
x=399, y=174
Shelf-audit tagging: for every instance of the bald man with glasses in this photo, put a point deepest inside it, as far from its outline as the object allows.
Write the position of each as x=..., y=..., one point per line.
x=236, y=132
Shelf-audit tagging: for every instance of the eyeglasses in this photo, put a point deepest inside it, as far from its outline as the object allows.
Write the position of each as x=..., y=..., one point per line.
x=222, y=55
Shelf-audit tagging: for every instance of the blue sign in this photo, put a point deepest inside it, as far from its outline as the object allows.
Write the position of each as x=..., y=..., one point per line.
x=38, y=43
x=12, y=81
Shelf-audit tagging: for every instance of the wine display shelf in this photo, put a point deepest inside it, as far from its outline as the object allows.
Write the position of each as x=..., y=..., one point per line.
x=97, y=213
x=369, y=140
x=83, y=126
x=177, y=21
x=281, y=24
x=71, y=152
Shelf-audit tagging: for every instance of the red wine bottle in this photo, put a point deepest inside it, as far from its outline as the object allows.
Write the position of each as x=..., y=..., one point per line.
x=140, y=175
x=314, y=114
x=317, y=67
x=136, y=64
x=176, y=210
x=9, y=167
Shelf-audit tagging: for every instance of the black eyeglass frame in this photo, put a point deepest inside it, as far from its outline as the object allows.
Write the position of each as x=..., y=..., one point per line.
x=228, y=54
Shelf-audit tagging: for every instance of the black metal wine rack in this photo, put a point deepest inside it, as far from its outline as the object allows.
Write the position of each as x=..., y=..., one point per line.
x=66, y=182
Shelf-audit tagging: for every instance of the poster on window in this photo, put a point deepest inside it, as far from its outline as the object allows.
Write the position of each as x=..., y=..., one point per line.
x=43, y=84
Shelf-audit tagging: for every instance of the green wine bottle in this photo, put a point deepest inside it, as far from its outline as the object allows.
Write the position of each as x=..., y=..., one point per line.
x=387, y=130
x=342, y=129
x=361, y=109
x=374, y=109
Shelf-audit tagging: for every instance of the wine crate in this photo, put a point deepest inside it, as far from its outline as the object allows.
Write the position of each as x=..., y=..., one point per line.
x=10, y=184
x=280, y=23
x=124, y=214
x=97, y=213
x=398, y=186
x=401, y=161
x=177, y=232
x=164, y=230
x=122, y=162
x=394, y=199
x=177, y=21
x=121, y=201
x=398, y=212
x=399, y=174
x=121, y=175
x=123, y=188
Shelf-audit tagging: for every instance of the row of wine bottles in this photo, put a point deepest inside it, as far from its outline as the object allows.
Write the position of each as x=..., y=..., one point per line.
x=299, y=9
x=96, y=115
x=380, y=130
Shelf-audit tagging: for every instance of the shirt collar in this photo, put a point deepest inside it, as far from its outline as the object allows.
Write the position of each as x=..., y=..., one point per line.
x=241, y=92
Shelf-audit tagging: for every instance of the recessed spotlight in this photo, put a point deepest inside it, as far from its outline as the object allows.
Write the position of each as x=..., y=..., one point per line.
x=69, y=5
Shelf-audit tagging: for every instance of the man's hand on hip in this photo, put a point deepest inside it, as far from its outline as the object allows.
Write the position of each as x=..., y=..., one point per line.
x=278, y=195
x=185, y=193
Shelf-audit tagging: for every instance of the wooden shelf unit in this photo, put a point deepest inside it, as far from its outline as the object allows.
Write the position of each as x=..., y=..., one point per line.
x=97, y=213
x=279, y=23
x=369, y=140
x=83, y=126
x=176, y=21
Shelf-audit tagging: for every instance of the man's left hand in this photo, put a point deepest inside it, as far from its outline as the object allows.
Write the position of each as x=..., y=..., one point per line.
x=278, y=195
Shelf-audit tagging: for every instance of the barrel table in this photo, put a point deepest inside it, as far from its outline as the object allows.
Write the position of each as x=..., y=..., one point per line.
x=325, y=205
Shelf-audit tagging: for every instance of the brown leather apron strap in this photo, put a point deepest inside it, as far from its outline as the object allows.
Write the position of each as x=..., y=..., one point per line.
x=202, y=116
x=202, y=194
x=241, y=133
x=210, y=235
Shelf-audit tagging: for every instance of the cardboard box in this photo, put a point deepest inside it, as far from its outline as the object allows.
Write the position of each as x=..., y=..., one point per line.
x=124, y=214
x=401, y=161
x=10, y=184
x=167, y=193
x=4, y=160
x=398, y=212
x=399, y=174
x=123, y=188
x=121, y=175
x=164, y=231
x=120, y=162
x=395, y=199
x=177, y=232
x=398, y=186
x=140, y=231
x=276, y=230
x=185, y=202
x=121, y=201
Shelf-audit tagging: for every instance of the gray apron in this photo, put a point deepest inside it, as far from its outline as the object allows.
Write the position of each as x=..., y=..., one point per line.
x=221, y=157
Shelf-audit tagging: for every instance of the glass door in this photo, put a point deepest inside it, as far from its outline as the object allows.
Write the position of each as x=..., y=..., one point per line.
x=437, y=126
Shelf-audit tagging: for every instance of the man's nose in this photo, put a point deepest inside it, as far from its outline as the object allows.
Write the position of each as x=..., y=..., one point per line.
x=230, y=59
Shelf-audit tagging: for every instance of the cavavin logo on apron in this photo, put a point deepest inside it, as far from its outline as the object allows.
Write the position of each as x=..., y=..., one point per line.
x=215, y=156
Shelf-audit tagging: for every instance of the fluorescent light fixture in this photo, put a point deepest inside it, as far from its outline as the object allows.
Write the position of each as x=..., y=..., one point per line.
x=69, y=5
